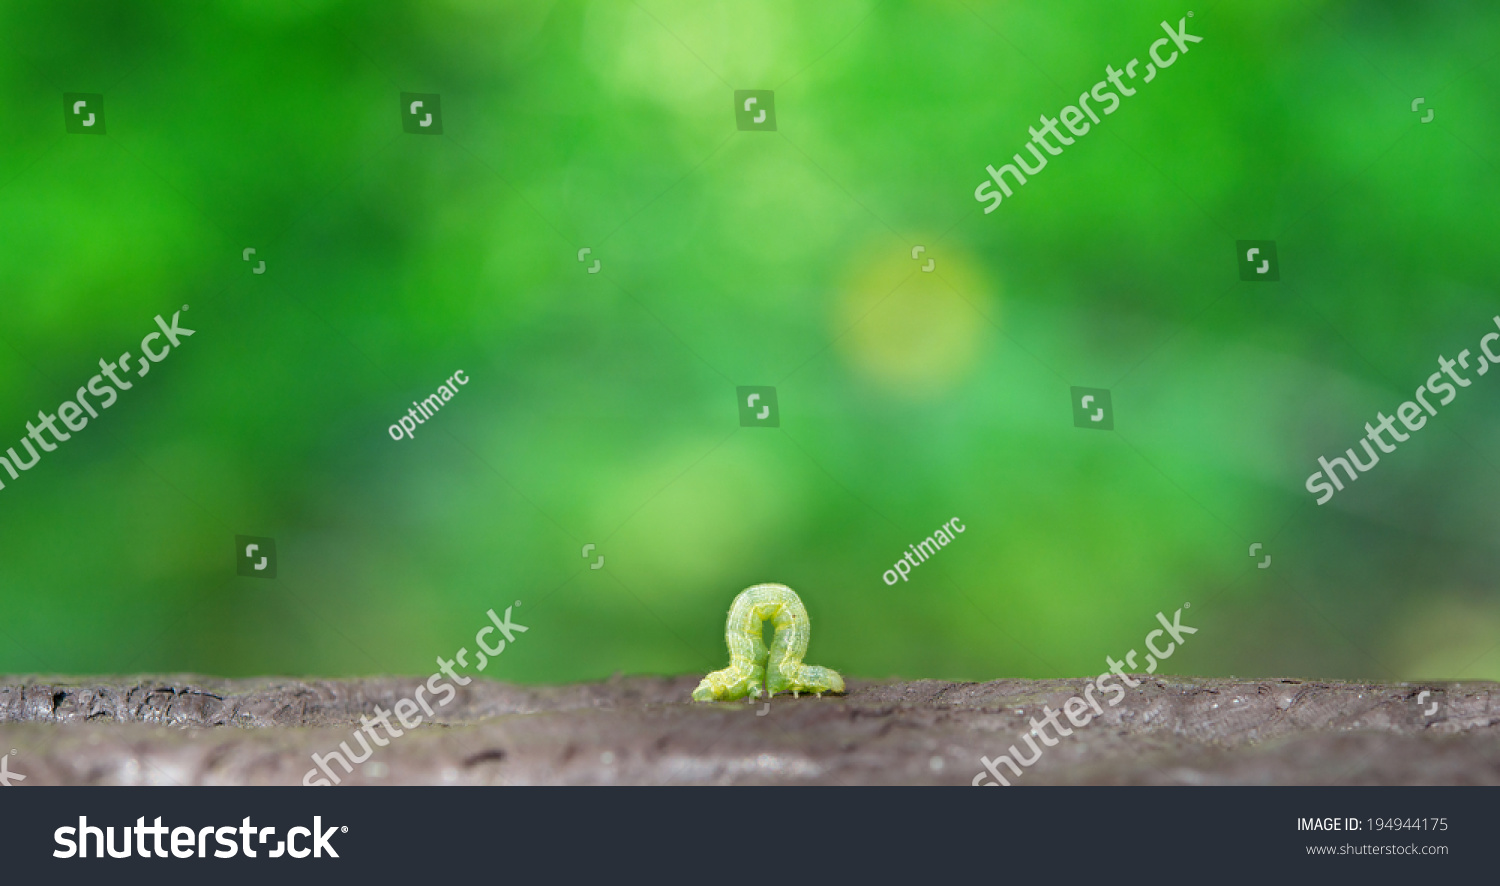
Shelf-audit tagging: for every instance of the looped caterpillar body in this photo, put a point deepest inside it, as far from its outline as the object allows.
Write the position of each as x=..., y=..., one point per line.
x=752, y=668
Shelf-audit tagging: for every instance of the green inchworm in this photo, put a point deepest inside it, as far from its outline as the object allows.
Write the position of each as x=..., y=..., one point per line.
x=751, y=667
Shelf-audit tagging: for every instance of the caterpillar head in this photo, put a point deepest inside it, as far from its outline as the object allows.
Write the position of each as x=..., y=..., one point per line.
x=731, y=684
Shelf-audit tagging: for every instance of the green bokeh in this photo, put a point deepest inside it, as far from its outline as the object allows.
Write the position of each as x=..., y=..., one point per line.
x=601, y=408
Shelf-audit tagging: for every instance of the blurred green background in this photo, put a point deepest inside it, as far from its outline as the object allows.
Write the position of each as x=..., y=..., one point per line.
x=602, y=406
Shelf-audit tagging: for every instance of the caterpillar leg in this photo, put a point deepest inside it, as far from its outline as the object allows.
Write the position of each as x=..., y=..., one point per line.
x=811, y=678
x=821, y=680
x=785, y=671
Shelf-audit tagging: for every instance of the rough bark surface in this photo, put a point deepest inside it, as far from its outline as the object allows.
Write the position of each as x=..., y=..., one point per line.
x=191, y=730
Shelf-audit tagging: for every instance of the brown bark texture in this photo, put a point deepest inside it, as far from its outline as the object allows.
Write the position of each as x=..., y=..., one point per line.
x=191, y=730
